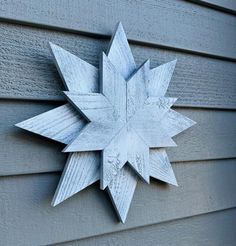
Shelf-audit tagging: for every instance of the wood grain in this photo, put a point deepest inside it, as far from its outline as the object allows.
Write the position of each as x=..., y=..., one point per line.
x=121, y=190
x=77, y=74
x=160, y=167
x=27, y=153
x=203, y=187
x=208, y=229
x=120, y=54
x=228, y=6
x=178, y=24
x=113, y=85
x=160, y=78
x=81, y=170
x=94, y=107
x=61, y=124
x=121, y=184
x=28, y=71
x=114, y=157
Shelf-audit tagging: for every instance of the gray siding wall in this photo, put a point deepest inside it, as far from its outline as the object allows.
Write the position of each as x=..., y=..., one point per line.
x=202, y=36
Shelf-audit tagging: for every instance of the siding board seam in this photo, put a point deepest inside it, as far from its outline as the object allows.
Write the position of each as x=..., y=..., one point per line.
x=60, y=171
x=107, y=37
x=60, y=101
x=38, y=189
x=26, y=51
x=216, y=6
x=83, y=26
x=145, y=226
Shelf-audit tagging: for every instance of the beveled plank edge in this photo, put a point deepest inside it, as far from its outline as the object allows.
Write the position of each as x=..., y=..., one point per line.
x=61, y=99
x=100, y=35
x=215, y=5
x=56, y=170
x=145, y=226
x=206, y=209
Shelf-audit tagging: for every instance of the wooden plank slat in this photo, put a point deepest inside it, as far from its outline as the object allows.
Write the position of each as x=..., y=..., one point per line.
x=117, y=67
x=61, y=124
x=28, y=71
x=211, y=229
x=73, y=70
x=81, y=170
x=223, y=5
x=214, y=136
x=25, y=201
x=176, y=24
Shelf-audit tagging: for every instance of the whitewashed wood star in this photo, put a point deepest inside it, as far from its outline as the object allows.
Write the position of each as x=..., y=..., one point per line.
x=127, y=118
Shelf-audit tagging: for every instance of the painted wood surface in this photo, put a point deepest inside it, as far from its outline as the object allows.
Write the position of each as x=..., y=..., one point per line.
x=81, y=170
x=73, y=69
x=61, y=124
x=118, y=107
x=121, y=191
x=222, y=5
x=25, y=52
x=160, y=167
x=120, y=180
x=210, y=229
x=28, y=153
x=178, y=24
x=203, y=187
x=200, y=80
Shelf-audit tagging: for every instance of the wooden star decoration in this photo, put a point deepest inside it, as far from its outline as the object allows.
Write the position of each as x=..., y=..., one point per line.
x=115, y=132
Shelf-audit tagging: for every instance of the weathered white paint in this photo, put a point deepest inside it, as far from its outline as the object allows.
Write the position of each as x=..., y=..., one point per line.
x=61, y=124
x=77, y=74
x=27, y=72
x=81, y=170
x=115, y=113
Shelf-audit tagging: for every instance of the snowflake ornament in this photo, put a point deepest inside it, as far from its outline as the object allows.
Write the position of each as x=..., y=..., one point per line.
x=116, y=125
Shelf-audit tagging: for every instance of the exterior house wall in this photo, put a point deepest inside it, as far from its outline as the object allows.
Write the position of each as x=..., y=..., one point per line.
x=201, y=35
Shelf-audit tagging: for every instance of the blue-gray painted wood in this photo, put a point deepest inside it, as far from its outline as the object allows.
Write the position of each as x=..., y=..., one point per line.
x=178, y=24
x=222, y=5
x=211, y=229
x=25, y=52
x=25, y=204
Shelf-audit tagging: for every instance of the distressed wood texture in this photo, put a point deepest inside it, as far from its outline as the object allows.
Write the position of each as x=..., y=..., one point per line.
x=23, y=152
x=211, y=229
x=178, y=24
x=117, y=67
x=115, y=110
x=203, y=187
x=223, y=5
x=197, y=81
x=61, y=124
x=80, y=171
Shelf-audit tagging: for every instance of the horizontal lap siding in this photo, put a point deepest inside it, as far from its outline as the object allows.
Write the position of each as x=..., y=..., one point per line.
x=26, y=212
x=171, y=23
x=203, y=41
x=197, y=81
x=213, y=137
x=211, y=229
x=222, y=5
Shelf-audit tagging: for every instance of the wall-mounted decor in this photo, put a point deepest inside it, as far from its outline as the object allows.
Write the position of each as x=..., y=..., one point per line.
x=116, y=125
